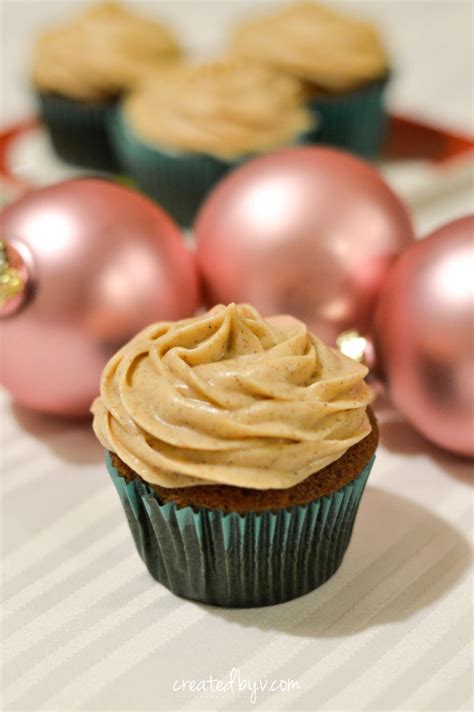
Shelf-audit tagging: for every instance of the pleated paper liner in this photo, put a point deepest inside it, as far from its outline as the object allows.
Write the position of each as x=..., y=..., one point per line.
x=78, y=131
x=240, y=560
x=179, y=182
x=354, y=121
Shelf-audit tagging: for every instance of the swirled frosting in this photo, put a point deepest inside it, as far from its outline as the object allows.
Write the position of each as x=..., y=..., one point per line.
x=102, y=52
x=327, y=49
x=230, y=398
x=226, y=109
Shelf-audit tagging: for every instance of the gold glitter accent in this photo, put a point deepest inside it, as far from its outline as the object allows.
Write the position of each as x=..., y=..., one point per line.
x=11, y=281
x=352, y=344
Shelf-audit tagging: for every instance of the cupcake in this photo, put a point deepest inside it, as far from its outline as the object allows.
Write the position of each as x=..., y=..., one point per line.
x=179, y=133
x=80, y=70
x=340, y=60
x=240, y=448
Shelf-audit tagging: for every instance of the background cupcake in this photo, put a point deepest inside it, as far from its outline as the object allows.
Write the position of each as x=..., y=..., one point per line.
x=240, y=449
x=341, y=61
x=179, y=133
x=81, y=68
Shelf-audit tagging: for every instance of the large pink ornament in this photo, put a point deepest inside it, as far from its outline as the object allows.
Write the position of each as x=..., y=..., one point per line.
x=425, y=332
x=85, y=265
x=309, y=231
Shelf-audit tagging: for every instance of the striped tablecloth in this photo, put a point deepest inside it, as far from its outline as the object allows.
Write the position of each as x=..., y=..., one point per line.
x=85, y=627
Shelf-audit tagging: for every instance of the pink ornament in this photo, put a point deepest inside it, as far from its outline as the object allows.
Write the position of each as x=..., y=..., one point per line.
x=309, y=231
x=86, y=264
x=424, y=335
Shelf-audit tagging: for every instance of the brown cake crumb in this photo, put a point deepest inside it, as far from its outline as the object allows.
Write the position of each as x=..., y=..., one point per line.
x=241, y=499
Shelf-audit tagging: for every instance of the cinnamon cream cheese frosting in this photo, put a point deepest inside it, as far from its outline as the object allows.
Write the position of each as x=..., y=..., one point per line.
x=332, y=51
x=226, y=109
x=102, y=52
x=230, y=398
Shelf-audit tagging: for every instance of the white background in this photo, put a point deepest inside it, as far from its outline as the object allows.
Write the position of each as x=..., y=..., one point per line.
x=84, y=625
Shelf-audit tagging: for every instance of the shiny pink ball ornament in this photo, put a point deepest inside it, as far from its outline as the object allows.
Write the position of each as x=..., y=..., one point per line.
x=425, y=335
x=84, y=265
x=310, y=231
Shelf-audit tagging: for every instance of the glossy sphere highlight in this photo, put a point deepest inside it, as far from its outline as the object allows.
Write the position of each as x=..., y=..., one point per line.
x=425, y=335
x=309, y=231
x=102, y=263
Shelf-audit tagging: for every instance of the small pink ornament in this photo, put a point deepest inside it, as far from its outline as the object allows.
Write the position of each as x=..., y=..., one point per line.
x=309, y=231
x=425, y=335
x=84, y=265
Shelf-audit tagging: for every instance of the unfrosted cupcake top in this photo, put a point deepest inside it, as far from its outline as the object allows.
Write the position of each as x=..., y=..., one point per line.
x=103, y=51
x=230, y=398
x=226, y=109
x=327, y=49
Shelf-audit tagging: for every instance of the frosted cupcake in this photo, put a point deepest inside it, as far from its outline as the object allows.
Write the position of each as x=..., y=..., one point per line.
x=80, y=69
x=340, y=60
x=240, y=448
x=178, y=134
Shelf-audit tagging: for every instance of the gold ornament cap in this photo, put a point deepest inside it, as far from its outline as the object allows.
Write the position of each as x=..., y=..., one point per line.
x=361, y=348
x=14, y=279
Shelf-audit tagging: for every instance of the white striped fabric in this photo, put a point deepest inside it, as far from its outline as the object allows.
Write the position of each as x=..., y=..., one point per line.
x=85, y=627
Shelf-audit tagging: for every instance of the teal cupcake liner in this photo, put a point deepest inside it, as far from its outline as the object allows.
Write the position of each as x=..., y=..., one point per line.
x=355, y=121
x=179, y=182
x=240, y=560
x=78, y=131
